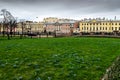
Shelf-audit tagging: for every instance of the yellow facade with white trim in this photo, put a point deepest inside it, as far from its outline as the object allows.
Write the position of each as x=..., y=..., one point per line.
x=107, y=26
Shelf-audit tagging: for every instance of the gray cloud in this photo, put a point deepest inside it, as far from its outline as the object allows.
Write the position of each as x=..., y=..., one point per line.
x=61, y=7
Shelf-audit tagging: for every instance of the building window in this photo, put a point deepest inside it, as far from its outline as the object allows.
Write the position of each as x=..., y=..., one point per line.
x=112, y=28
x=119, y=28
x=106, y=23
x=112, y=24
x=100, y=28
x=103, y=28
x=103, y=23
x=106, y=28
x=87, y=28
x=115, y=23
x=115, y=28
x=97, y=28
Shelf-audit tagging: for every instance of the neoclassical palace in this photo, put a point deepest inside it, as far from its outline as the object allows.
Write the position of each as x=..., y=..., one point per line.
x=99, y=26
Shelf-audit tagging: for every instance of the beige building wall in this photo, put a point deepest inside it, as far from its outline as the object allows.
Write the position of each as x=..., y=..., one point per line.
x=19, y=27
x=30, y=27
x=37, y=27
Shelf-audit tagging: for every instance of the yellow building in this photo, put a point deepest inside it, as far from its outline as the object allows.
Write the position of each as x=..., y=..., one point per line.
x=27, y=26
x=30, y=27
x=99, y=26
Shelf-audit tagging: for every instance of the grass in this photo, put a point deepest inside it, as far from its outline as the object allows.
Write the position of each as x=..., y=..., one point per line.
x=57, y=58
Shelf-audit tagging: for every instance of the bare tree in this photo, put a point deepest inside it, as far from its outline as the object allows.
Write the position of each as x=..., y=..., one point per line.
x=9, y=23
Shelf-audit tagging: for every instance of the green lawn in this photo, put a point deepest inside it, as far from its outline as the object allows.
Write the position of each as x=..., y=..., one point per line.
x=57, y=58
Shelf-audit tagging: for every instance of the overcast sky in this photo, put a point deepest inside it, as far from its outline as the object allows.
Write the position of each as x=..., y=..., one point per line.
x=75, y=9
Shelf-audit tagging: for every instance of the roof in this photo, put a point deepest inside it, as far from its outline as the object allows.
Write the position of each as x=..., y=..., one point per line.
x=94, y=20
